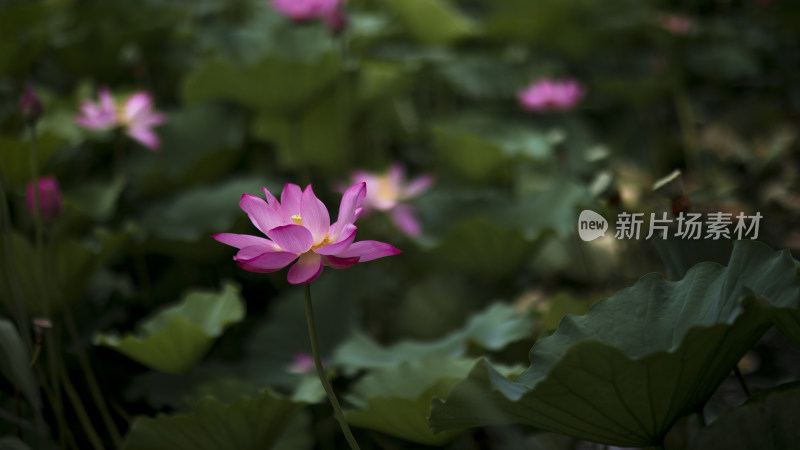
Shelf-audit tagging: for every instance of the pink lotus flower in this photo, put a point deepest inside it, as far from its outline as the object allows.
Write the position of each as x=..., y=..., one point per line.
x=388, y=192
x=302, y=363
x=299, y=228
x=50, y=204
x=100, y=115
x=136, y=116
x=551, y=95
x=304, y=10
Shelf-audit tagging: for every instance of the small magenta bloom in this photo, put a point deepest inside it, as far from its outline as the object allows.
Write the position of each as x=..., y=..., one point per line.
x=136, y=116
x=388, y=192
x=299, y=228
x=331, y=11
x=30, y=106
x=302, y=363
x=551, y=95
x=50, y=204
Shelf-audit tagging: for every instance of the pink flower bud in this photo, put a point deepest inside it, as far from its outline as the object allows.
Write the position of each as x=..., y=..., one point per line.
x=30, y=106
x=50, y=205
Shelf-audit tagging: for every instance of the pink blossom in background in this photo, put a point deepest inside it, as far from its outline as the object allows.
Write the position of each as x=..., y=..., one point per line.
x=302, y=363
x=330, y=11
x=298, y=228
x=389, y=192
x=50, y=205
x=136, y=116
x=675, y=23
x=100, y=115
x=551, y=95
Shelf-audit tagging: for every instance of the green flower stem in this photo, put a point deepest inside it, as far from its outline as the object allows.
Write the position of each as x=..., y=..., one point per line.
x=56, y=401
x=65, y=437
x=94, y=388
x=37, y=214
x=80, y=411
x=742, y=381
x=18, y=302
x=18, y=412
x=312, y=334
x=686, y=122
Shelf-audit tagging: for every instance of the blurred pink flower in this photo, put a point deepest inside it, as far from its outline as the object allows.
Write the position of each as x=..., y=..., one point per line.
x=30, y=106
x=331, y=11
x=388, y=192
x=100, y=115
x=50, y=204
x=551, y=95
x=302, y=363
x=675, y=23
x=136, y=116
x=299, y=228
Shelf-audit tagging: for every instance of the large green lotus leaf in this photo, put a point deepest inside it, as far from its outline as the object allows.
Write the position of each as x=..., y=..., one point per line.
x=224, y=380
x=482, y=148
x=284, y=334
x=560, y=200
x=679, y=255
x=317, y=136
x=446, y=208
x=97, y=200
x=627, y=370
x=72, y=261
x=274, y=84
x=197, y=212
x=397, y=400
x=430, y=308
x=570, y=27
x=492, y=329
x=179, y=336
x=484, y=247
x=470, y=154
x=766, y=422
x=789, y=323
x=514, y=138
x=297, y=434
x=200, y=142
x=271, y=347
x=434, y=22
x=481, y=77
x=379, y=80
x=249, y=423
x=15, y=363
